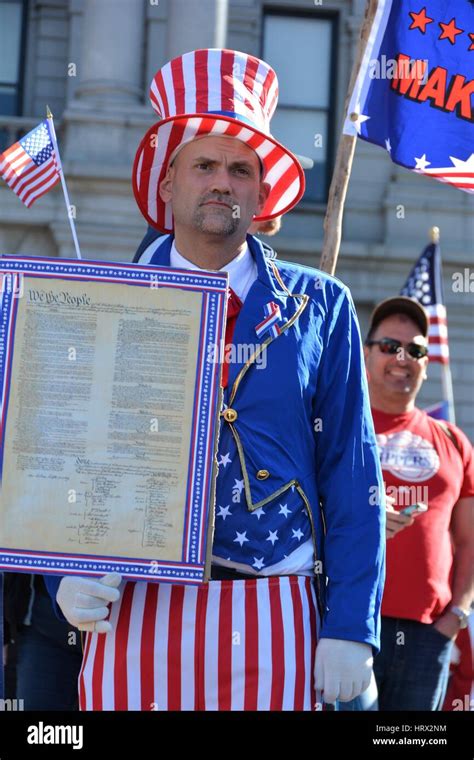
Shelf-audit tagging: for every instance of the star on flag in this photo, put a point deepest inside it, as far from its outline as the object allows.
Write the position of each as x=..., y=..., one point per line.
x=460, y=174
x=258, y=513
x=272, y=536
x=224, y=460
x=224, y=512
x=449, y=31
x=422, y=163
x=358, y=118
x=420, y=20
x=241, y=538
x=467, y=165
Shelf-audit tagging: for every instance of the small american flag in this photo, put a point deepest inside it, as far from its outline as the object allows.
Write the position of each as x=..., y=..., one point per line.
x=424, y=284
x=29, y=166
x=440, y=410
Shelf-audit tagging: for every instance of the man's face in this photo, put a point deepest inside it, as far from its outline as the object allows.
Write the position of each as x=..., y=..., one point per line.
x=396, y=375
x=214, y=186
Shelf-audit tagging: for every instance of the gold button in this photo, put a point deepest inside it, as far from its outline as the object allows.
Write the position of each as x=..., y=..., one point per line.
x=230, y=415
x=263, y=474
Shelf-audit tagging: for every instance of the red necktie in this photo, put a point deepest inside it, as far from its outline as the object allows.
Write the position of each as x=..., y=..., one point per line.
x=234, y=305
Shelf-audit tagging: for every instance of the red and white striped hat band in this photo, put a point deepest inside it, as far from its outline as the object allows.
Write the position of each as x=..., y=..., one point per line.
x=214, y=93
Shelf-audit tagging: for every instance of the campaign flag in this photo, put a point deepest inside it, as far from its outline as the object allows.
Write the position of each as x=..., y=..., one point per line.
x=30, y=166
x=424, y=283
x=414, y=95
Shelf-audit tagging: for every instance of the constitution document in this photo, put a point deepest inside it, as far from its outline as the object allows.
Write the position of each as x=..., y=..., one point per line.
x=109, y=417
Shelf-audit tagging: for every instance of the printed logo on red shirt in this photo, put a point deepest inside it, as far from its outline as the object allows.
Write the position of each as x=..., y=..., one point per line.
x=408, y=456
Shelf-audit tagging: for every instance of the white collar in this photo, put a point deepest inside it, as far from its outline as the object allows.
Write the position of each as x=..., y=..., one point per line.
x=242, y=269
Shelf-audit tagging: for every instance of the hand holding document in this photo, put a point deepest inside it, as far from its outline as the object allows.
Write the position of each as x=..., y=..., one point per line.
x=84, y=601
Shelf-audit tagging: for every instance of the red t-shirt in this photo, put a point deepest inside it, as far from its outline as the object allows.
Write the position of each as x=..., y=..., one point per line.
x=421, y=463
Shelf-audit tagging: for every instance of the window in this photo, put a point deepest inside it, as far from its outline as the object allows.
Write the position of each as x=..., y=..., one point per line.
x=301, y=50
x=12, y=18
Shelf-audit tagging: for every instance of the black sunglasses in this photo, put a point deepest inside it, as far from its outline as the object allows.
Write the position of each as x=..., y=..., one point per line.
x=392, y=346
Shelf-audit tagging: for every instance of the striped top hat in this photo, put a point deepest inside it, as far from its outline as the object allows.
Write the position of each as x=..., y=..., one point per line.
x=214, y=93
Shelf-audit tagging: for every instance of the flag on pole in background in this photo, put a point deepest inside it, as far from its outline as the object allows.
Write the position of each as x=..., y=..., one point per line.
x=414, y=95
x=424, y=284
x=440, y=410
x=29, y=166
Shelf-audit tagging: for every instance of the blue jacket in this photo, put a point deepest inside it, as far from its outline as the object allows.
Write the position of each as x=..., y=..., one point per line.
x=303, y=428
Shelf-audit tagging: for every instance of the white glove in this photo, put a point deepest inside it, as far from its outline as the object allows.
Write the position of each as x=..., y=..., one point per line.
x=342, y=669
x=83, y=601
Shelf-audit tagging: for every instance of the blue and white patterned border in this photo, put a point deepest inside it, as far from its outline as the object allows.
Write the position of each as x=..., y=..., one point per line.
x=68, y=564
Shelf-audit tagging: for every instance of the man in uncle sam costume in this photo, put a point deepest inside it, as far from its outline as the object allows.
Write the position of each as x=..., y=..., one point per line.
x=298, y=551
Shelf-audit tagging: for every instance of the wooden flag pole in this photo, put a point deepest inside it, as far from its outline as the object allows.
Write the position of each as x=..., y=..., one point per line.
x=52, y=132
x=344, y=159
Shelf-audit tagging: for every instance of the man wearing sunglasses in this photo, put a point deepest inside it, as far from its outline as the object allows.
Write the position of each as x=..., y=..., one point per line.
x=429, y=584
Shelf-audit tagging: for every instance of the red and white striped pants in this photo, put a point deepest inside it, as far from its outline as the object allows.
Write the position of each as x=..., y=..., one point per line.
x=227, y=645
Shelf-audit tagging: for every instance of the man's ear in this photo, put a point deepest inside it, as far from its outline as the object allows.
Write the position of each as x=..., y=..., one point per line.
x=425, y=368
x=263, y=194
x=166, y=186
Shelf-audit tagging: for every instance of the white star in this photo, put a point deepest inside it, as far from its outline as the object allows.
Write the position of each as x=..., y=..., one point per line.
x=258, y=513
x=422, y=163
x=225, y=460
x=241, y=537
x=357, y=122
x=272, y=536
x=239, y=484
x=284, y=510
x=468, y=165
x=224, y=512
x=298, y=534
x=258, y=563
x=388, y=146
x=452, y=174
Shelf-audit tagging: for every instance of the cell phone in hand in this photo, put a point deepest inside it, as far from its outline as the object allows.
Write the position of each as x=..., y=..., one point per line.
x=414, y=509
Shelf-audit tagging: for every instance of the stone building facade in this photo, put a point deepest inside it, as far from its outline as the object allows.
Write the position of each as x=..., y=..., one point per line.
x=92, y=62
